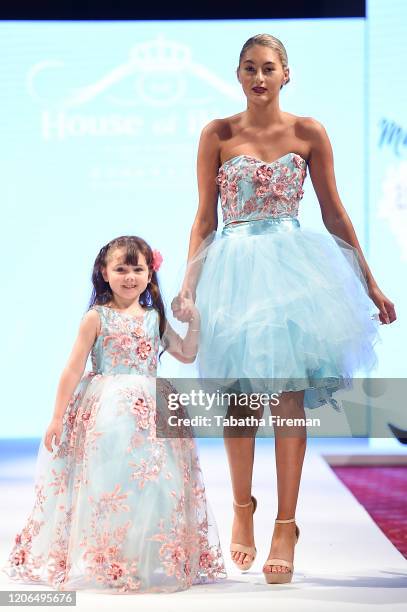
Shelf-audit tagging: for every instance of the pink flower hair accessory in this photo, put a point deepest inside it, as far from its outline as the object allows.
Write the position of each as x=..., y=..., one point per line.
x=157, y=260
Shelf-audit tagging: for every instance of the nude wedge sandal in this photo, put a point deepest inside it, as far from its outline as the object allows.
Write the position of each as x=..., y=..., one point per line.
x=281, y=577
x=248, y=550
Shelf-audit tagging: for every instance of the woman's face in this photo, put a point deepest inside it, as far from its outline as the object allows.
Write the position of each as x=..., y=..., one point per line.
x=261, y=73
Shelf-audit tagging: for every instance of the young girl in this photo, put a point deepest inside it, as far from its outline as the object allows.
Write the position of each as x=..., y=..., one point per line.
x=118, y=509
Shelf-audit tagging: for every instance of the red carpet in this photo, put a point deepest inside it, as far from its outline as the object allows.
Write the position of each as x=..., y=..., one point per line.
x=383, y=493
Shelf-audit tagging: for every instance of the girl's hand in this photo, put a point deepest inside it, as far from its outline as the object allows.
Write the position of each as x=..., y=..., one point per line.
x=387, y=312
x=54, y=429
x=183, y=307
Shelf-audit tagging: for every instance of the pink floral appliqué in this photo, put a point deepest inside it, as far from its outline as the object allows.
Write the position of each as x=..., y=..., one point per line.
x=251, y=189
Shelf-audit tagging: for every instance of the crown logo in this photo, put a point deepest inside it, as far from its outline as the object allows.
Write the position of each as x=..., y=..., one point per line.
x=160, y=53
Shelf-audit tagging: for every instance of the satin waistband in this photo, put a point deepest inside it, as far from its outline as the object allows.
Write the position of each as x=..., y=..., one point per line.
x=261, y=226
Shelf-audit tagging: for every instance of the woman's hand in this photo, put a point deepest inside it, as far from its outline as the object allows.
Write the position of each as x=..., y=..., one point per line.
x=183, y=307
x=54, y=429
x=387, y=313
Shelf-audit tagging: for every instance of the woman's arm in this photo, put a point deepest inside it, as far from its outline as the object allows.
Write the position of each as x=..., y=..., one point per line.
x=71, y=374
x=334, y=215
x=206, y=220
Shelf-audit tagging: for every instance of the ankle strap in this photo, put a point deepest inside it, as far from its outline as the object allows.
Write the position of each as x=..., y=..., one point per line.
x=285, y=520
x=242, y=505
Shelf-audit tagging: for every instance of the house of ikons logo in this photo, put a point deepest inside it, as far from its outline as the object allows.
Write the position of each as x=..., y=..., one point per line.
x=168, y=93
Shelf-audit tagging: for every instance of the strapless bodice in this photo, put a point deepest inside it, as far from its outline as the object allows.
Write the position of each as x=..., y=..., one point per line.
x=127, y=344
x=253, y=189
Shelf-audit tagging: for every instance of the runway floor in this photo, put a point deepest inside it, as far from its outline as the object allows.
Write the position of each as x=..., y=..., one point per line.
x=343, y=561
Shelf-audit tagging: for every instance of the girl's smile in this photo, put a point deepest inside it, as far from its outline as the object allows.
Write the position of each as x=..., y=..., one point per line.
x=127, y=280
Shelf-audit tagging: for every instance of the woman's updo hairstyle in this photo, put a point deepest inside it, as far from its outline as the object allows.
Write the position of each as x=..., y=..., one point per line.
x=267, y=40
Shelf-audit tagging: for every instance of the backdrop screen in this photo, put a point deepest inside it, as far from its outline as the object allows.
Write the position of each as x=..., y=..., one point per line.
x=100, y=124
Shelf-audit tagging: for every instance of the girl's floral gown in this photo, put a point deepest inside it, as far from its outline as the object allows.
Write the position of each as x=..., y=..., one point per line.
x=118, y=509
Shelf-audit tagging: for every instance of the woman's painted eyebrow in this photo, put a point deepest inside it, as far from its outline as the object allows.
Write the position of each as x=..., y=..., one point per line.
x=252, y=62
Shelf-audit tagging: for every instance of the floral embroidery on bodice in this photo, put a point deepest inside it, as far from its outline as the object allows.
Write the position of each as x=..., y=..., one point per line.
x=127, y=344
x=253, y=189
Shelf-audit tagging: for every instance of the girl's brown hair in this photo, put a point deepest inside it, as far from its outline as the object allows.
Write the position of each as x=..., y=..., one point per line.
x=133, y=246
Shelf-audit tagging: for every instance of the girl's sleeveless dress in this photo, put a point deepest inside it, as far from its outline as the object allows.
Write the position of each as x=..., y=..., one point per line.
x=282, y=307
x=118, y=509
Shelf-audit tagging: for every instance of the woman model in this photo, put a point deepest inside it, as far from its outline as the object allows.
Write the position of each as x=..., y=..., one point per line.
x=277, y=302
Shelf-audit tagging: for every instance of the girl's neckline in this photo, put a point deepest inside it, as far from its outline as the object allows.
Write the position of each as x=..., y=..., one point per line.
x=127, y=314
x=261, y=161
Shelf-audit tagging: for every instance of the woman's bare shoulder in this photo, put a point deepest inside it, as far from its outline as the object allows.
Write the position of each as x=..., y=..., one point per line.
x=222, y=127
x=307, y=126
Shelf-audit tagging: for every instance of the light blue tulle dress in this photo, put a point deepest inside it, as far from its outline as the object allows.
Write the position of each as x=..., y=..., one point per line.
x=118, y=509
x=282, y=307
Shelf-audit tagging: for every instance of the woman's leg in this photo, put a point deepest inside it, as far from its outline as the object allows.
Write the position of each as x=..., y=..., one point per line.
x=290, y=445
x=240, y=453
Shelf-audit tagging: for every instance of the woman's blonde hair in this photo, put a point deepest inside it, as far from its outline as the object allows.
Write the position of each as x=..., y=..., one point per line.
x=267, y=40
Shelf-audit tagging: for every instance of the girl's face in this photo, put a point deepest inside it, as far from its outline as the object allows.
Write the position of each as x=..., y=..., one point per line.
x=261, y=74
x=126, y=281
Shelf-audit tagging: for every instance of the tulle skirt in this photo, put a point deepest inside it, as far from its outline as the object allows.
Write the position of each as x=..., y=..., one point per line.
x=283, y=306
x=117, y=509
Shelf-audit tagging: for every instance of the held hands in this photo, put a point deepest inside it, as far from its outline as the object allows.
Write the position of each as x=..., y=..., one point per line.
x=54, y=429
x=183, y=307
x=387, y=312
